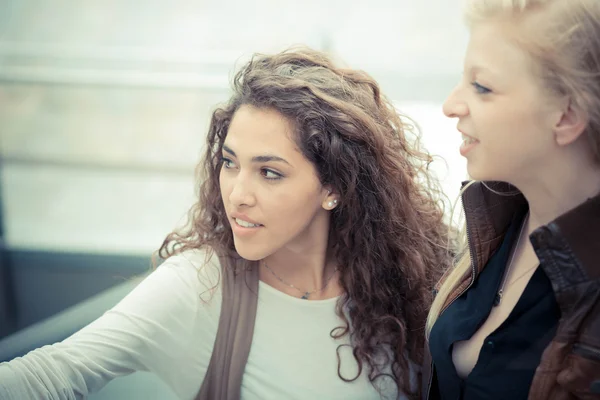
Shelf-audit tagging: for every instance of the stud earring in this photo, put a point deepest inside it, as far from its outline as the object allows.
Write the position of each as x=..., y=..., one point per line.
x=332, y=203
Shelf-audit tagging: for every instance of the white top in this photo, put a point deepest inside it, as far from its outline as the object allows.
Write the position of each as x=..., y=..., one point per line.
x=167, y=325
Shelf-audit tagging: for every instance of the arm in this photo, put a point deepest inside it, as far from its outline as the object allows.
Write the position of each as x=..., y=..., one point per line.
x=147, y=331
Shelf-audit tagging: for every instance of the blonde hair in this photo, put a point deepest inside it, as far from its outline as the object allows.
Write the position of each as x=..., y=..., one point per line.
x=453, y=277
x=563, y=39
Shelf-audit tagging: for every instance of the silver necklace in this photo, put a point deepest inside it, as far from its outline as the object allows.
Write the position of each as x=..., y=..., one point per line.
x=305, y=293
x=500, y=293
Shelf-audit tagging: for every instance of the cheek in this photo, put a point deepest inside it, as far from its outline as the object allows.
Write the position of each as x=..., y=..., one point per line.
x=224, y=185
x=512, y=127
x=291, y=208
x=519, y=142
x=530, y=131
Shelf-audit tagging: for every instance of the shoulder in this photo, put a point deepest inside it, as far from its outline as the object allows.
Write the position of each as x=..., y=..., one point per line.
x=180, y=281
x=198, y=270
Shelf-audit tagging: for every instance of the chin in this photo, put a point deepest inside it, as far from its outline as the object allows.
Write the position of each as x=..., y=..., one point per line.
x=477, y=173
x=249, y=252
x=488, y=175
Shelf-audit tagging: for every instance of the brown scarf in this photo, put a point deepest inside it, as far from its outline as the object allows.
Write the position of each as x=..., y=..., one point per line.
x=223, y=380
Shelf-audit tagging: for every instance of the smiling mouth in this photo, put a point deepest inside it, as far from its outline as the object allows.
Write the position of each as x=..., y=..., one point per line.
x=246, y=224
x=468, y=139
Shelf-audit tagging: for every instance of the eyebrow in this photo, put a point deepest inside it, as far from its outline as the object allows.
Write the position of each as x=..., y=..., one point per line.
x=259, y=159
x=477, y=68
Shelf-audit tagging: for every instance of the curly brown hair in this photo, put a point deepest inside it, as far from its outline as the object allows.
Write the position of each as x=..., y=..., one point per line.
x=388, y=234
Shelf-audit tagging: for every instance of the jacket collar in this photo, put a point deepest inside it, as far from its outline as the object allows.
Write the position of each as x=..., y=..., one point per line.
x=491, y=206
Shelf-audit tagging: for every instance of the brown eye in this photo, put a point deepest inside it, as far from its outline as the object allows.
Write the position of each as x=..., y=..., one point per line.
x=269, y=174
x=227, y=163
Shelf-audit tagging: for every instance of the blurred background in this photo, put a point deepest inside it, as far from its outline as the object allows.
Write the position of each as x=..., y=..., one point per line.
x=103, y=110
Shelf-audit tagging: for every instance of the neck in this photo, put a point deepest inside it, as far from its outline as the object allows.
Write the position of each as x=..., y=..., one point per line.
x=302, y=269
x=560, y=187
x=305, y=263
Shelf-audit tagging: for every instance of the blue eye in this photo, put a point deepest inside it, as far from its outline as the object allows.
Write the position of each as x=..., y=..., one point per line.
x=270, y=175
x=480, y=89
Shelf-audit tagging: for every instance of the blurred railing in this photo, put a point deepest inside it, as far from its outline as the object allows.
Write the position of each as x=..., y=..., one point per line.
x=98, y=148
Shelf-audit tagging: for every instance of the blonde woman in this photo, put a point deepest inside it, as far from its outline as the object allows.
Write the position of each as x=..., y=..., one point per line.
x=518, y=317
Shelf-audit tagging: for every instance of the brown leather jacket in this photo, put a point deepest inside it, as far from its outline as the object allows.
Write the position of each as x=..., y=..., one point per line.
x=569, y=251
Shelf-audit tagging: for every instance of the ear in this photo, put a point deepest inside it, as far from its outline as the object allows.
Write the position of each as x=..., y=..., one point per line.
x=571, y=125
x=331, y=200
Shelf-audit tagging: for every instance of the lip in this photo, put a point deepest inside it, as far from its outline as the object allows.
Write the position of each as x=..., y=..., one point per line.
x=245, y=218
x=463, y=133
x=242, y=231
x=465, y=148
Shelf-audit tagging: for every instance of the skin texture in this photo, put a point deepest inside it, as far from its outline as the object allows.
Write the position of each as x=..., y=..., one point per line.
x=267, y=180
x=501, y=104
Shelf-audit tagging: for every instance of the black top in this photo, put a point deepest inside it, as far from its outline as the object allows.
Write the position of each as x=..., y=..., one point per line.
x=510, y=354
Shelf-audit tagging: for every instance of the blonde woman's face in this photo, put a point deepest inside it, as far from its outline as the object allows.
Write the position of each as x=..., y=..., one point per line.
x=272, y=194
x=504, y=114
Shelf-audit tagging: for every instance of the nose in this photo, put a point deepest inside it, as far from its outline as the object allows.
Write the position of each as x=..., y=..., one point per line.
x=455, y=106
x=241, y=192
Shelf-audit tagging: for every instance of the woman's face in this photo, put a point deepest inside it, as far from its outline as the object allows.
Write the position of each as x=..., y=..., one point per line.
x=272, y=194
x=505, y=114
